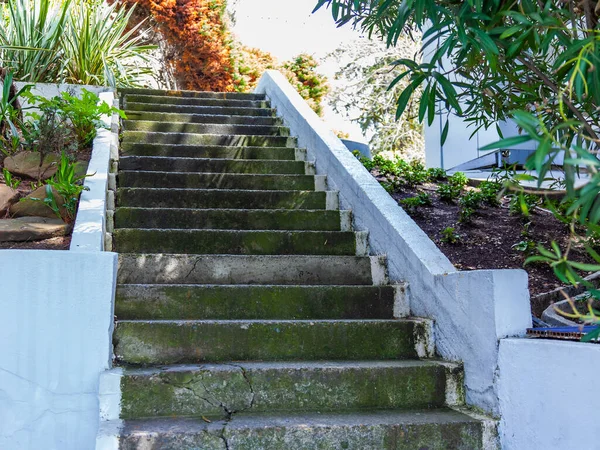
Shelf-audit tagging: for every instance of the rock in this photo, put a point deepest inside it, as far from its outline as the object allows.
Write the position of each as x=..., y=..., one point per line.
x=7, y=197
x=36, y=208
x=32, y=229
x=28, y=164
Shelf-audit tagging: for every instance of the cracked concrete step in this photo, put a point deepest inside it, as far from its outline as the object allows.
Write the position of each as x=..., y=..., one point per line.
x=213, y=152
x=195, y=101
x=219, y=390
x=225, y=198
x=251, y=166
x=204, y=128
x=194, y=94
x=240, y=140
x=203, y=118
x=190, y=109
x=230, y=219
x=240, y=242
x=210, y=180
x=177, y=341
x=247, y=302
x=439, y=429
x=258, y=270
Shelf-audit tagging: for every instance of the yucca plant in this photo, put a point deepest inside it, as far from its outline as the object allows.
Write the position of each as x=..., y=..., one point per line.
x=100, y=50
x=31, y=38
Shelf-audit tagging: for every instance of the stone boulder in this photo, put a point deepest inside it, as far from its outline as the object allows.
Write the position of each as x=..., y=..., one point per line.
x=32, y=229
x=36, y=208
x=27, y=164
x=7, y=197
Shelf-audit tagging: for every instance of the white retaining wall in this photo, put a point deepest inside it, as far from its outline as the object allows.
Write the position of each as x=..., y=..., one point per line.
x=472, y=310
x=56, y=322
x=548, y=394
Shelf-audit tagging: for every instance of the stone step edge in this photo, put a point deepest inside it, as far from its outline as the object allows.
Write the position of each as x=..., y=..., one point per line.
x=345, y=214
x=320, y=180
x=165, y=113
x=401, y=308
x=110, y=394
x=110, y=432
x=185, y=93
x=332, y=198
x=152, y=108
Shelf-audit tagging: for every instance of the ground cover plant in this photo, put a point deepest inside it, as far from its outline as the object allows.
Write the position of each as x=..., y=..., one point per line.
x=484, y=226
x=533, y=62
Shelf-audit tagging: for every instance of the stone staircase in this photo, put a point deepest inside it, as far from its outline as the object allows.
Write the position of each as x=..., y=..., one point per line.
x=249, y=313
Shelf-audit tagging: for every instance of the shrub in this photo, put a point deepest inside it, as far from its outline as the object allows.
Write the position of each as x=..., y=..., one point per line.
x=490, y=191
x=449, y=192
x=412, y=204
x=450, y=236
x=436, y=174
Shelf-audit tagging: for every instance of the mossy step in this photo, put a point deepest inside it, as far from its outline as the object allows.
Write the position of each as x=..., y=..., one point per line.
x=212, y=390
x=213, y=152
x=216, y=180
x=202, y=118
x=231, y=219
x=188, y=109
x=438, y=429
x=168, y=164
x=194, y=94
x=194, y=101
x=194, y=341
x=240, y=242
x=253, y=269
x=202, y=128
x=240, y=140
x=246, y=302
x=220, y=198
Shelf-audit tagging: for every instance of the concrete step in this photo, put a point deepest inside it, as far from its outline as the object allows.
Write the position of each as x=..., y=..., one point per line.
x=160, y=342
x=202, y=128
x=240, y=242
x=194, y=94
x=190, y=109
x=438, y=429
x=218, y=390
x=240, y=140
x=231, y=219
x=256, y=270
x=212, y=180
x=249, y=302
x=195, y=101
x=170, y=164
x=214, y=152
x=203, y=118
x=225, y=198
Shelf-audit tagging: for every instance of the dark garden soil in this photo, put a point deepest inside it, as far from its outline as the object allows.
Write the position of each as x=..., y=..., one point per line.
x=488, y=241
x=56, y=243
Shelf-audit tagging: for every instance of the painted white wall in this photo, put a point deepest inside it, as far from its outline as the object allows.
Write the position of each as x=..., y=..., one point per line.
x=548, y=394
x=472, y=310
x=56, y=322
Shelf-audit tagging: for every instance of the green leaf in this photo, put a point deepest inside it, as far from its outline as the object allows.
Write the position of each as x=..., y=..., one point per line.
x=507, y=142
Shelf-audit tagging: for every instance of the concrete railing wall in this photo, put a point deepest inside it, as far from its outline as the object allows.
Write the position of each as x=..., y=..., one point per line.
x=472, y=310
x=56, y=322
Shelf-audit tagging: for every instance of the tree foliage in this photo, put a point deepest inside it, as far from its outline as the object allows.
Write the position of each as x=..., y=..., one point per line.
x=362, y=96
x=536, y=62
x=302, y=74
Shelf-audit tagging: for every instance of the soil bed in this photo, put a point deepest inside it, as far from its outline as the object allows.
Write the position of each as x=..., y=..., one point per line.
x=488, y=242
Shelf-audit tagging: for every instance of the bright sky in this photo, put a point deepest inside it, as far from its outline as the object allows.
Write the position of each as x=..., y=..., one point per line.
x=286, y=28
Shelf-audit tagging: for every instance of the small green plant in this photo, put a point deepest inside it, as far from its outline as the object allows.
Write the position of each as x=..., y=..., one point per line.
x=413, y=174
x=469, y=203
x=458, y=179
x=10, y=113
x=412, y=204
x=465, y=215
x=526, y=246
x=83, y=113
x=436, y=174
x=450, y=236
x=522, y=204
x=366, y=162
x=385, y=166
x=68, y=185
x=490, y=191
x=9, y=180
x=389, y=187
x=448, y=192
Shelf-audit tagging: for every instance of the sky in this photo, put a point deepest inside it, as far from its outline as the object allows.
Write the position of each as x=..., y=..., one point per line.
x=286, y=28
